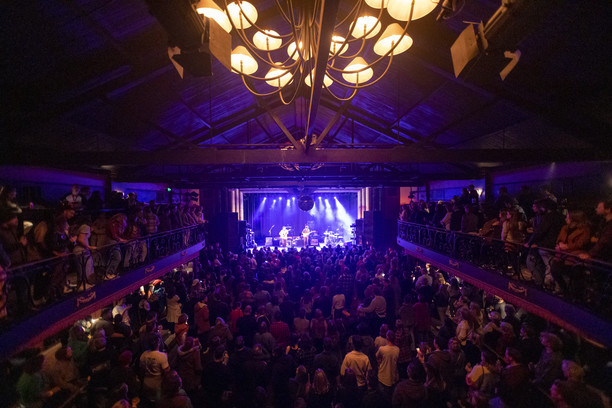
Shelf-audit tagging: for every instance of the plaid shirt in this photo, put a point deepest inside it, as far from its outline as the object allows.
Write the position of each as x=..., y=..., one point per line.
x=346, y=281
x=403, y=341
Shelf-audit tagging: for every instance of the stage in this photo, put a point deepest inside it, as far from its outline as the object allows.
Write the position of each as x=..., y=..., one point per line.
x=327, y=219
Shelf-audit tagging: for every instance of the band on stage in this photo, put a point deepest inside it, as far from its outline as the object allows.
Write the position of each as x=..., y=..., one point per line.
x=286, y=237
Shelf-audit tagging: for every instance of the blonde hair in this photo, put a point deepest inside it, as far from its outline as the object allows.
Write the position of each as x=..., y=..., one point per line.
x=320, y=385
x=572, y=371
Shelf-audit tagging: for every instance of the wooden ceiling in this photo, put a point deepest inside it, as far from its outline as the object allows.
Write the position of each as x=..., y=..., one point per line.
x=89, y=84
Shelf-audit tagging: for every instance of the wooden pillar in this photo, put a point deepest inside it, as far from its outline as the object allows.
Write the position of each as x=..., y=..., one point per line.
x=488, y=187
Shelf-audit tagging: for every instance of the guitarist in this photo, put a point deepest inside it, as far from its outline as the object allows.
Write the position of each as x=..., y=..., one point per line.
x=283, y=236
x=306, y=235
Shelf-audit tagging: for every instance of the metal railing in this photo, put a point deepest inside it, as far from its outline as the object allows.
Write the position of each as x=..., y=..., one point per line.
x=33, y=286
x=587, y=283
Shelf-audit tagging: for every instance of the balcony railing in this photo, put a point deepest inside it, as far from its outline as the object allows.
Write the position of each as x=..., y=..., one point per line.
x=31, y=287
x=589, y=282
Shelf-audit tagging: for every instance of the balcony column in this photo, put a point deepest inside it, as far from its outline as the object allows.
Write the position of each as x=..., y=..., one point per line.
x=240, y=205
x=488, y=187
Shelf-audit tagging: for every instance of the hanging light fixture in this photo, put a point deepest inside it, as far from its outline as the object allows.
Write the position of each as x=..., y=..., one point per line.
x=270, y=58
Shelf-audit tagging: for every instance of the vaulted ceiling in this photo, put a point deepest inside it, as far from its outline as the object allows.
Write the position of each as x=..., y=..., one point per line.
x=88, y=85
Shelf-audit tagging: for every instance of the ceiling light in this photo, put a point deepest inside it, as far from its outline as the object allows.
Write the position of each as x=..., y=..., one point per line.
x=267, y=40
x=377, y=3
x=390, y=37
x=357, y=72
x=242, y=61
x=278, y=77
x=242, y=13
x=401, y=9
x=210, y=9
x=327, y=81
x=356, y=34
x=367, y=26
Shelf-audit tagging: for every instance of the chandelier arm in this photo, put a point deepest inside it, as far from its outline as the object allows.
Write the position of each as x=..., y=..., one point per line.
x=378, y=20
x=295, y=36
x=363, y=38
x=268, y=79
x=356, y=9
x=273, y=64
x=283, y=14
x=254, y=92
x=295, y=92
x=312, y=17
x=342, y=99
x=360, y=86
x=256, y=50
x=349, y=56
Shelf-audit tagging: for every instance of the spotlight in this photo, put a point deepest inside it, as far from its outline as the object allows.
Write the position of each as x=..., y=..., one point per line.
x=335, y=198
x=280, y=198
x=319, y=197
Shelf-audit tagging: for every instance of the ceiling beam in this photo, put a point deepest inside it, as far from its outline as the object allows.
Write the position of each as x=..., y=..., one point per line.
x=264, y=104
x=479, y=109
x=398, y=154
x=129, y=113
x=345, y=105
x=366, y=123
x=333, y=137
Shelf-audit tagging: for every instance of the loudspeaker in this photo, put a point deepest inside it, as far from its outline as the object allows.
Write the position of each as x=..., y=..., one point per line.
x=269, y=241
x=314, y=241
x=196, y=62
x=374, y=228
x=224, y=229
x=242, y=229
x=185, y=30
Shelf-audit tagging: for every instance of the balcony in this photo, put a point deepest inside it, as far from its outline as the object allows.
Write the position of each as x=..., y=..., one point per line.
x=41, y=298
x=498, y=268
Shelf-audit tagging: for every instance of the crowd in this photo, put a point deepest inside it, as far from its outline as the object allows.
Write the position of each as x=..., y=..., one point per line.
x=552, y=239
x=336, y=327
x=81, y=226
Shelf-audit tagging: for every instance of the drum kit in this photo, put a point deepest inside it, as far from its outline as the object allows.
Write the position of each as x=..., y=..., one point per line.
x=333, y=238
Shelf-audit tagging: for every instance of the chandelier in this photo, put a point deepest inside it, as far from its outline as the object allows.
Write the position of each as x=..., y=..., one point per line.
x=317, y=44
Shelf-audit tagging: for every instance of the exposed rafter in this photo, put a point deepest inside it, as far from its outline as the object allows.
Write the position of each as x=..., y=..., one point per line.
x=398, y=154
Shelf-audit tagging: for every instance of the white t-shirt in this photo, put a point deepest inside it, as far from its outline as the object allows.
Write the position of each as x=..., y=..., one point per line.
x=338, y=301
